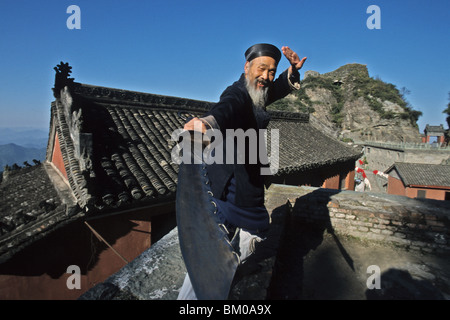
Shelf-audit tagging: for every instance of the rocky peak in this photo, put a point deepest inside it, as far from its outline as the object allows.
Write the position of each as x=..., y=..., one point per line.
x=350, y=72
x=348, y=102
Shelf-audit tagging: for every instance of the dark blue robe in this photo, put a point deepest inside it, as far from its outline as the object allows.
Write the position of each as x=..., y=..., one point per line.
x=235, y=111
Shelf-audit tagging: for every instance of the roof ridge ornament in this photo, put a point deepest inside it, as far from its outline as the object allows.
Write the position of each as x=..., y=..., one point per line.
x=63, y=71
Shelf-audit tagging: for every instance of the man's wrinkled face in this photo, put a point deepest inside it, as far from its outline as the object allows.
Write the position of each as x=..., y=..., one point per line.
x=261, y=71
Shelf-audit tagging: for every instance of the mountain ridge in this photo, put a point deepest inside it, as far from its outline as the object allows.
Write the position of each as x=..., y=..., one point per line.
x=28, y=137
x=355, y=106
x=12, y=153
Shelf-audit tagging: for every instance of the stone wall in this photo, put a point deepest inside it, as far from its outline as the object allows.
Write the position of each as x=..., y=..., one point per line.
x=427, y=156
x=414, y=224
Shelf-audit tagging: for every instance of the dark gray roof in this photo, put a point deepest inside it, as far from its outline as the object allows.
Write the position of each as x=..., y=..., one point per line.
x=422, y=174
x=125, y=141
x=303, y=147
x=30, y=207
x=434, y=129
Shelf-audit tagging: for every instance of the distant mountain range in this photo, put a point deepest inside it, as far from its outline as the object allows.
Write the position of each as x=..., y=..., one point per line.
x=18, y=145
x=12, y=153
x=26, y=137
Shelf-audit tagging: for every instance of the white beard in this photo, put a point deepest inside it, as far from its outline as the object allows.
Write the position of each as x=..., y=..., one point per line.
x=258, y=96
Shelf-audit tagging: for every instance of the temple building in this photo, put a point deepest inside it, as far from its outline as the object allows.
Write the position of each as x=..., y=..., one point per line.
x=419, y=180
x=434, y=131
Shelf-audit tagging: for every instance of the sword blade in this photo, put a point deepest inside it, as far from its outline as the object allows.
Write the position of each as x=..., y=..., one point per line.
x=208, y=255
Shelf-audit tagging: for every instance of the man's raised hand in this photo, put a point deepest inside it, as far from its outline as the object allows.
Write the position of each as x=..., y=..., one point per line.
x=293, y=58
x=195, y=124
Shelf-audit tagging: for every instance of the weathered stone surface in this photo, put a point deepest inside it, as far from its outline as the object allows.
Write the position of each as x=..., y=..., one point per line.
x=157, y=274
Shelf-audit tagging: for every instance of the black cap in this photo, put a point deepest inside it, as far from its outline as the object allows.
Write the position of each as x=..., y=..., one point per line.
x=263, y=49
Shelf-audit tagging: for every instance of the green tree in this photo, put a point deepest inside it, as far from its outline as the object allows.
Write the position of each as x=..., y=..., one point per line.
x=447, y=111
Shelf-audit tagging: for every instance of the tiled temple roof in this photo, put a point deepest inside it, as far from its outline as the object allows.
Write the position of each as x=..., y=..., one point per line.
x=422, y=174
x=30, y=208
x=303, y=147
x=434, y=129
x=124, y=140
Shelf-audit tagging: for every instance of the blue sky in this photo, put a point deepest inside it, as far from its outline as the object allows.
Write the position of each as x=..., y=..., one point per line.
x=195, y=48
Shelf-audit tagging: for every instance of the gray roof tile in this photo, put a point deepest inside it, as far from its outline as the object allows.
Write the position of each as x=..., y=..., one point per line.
x=30, y=207
x=423, y=174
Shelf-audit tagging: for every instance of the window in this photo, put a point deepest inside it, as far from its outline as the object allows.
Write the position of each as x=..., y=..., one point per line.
x=421, y=193
x=343, y=179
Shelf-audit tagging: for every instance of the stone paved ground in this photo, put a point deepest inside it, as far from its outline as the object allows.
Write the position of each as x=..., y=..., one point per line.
x=316, y=265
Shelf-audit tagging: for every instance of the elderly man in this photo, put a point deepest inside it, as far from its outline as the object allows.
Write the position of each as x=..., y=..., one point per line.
x=238, y=189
